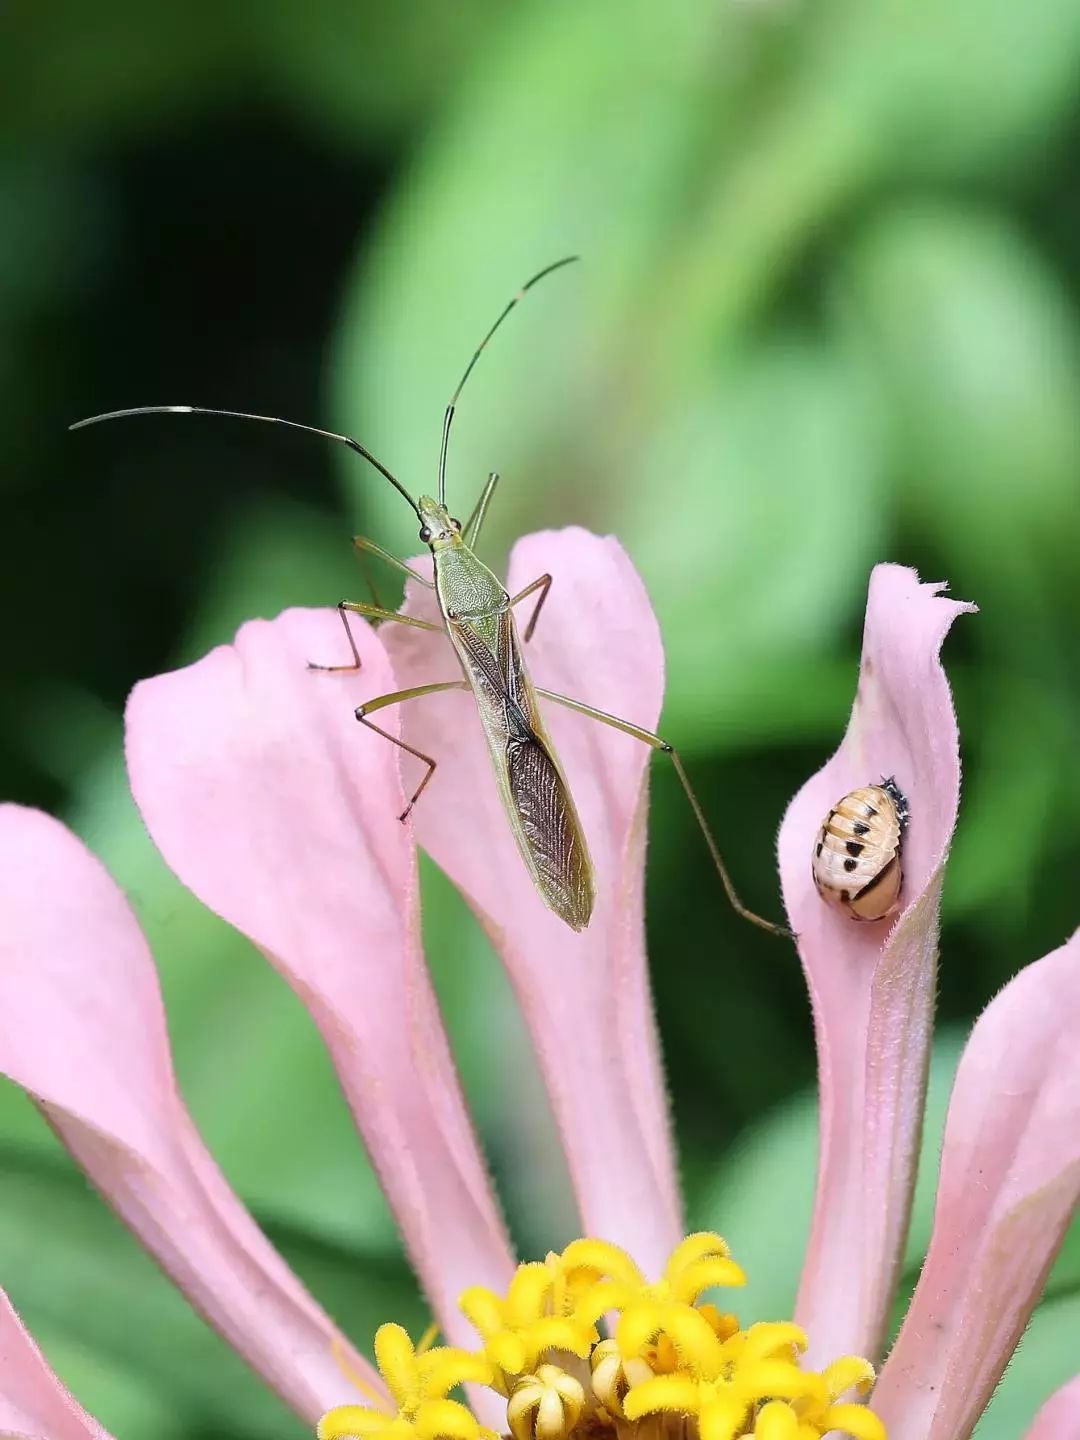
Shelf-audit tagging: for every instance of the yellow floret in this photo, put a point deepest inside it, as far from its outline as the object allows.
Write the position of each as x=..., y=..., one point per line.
x=418, y=1381
x=671, y=1368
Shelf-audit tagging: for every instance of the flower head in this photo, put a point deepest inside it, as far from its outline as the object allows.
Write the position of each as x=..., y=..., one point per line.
x=672, y=1361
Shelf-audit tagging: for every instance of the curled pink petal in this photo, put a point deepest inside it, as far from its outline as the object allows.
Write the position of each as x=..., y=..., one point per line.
x=34, y=1405
x=872, y=986
x=280, y=812
x=585, y=996
x=82, y=1030
x=1010, y=1183
x=1059, y=1418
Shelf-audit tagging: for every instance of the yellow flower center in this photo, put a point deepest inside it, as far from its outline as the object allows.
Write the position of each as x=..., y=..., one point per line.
x=669, y=1368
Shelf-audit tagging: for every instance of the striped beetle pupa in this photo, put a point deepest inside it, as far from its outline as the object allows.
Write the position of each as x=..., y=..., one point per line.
x=857, y=853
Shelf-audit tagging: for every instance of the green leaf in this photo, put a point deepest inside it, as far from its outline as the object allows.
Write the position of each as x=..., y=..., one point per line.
x=132, y=1404
x=740, y=487
x=69, y=74
x=978, y=355
x=366, y=71
x=1021, y=775
x=759, y=516
x=498, y=191
x=750, y=133
x=950, y=87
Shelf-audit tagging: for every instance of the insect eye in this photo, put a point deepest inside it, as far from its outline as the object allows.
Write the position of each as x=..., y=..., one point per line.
x=425, y=534
x=456, y=524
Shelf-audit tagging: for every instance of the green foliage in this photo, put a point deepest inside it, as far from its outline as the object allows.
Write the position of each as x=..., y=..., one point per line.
x=826, y=315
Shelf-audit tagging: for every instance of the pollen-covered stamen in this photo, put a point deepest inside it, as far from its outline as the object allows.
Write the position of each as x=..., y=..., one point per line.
x=700, y=1262
x=672, y=1357
x=849, y=1373
x=540, y=1318
x=545, y=1405
x=776, y=1340
x=585, y=1262
x=646, y=1326
x=722, y=1321
x=663, y=1357
x=760, y=1390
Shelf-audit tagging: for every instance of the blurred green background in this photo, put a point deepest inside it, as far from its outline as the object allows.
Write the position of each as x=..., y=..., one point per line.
x=829, y=314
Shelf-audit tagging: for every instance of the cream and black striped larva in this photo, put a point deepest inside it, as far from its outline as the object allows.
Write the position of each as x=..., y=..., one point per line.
x=857, y=853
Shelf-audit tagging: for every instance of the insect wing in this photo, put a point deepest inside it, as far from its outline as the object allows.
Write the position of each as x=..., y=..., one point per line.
x=535, y=795
x=547, y=822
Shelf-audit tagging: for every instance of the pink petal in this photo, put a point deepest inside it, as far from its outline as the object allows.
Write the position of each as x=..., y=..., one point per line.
x=279, y=811
x=1059, y=1418
x=83, y=1031
x=1010, y=1182
x=872, y=987
x=585, y=996
x=34, y=1405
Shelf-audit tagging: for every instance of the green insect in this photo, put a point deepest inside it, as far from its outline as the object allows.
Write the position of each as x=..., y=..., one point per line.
x=478, y=619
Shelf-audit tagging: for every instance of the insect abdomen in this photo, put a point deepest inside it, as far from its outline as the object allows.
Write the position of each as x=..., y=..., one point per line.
x=857, y=854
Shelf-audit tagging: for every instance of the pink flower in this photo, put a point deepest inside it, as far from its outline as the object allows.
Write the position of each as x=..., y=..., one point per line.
x=279, y=813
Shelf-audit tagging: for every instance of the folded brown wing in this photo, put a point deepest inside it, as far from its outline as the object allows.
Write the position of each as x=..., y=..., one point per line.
x=540, y=808
x=550, y=828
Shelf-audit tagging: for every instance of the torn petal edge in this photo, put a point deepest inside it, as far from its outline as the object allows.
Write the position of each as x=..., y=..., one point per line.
x=872, y=987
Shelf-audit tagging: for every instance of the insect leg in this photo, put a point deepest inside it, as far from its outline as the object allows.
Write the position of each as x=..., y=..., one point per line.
x=363, y=544
x=655, y=741
x=544, y=581
x=395, y=698
x=369, y=578
x=373, y=612
x=476, y=519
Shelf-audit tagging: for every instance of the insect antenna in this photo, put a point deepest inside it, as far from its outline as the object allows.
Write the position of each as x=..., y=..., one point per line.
x=346, y=440
x=449, y=416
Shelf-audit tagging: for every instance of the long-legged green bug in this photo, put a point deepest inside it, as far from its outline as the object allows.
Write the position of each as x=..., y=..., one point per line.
x=478, y=619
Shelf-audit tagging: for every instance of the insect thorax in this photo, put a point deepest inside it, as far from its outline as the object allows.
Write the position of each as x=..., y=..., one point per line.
x=465, y=585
